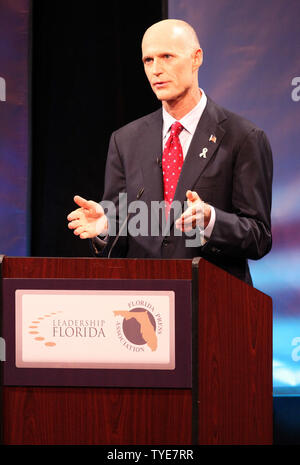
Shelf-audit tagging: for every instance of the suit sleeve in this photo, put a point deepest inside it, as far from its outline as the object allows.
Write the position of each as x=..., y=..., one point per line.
x=245, y=231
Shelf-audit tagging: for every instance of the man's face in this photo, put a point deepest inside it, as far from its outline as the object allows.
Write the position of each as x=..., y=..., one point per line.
x=170, y=64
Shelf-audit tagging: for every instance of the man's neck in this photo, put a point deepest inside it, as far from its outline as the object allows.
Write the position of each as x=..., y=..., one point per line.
x=180, y=107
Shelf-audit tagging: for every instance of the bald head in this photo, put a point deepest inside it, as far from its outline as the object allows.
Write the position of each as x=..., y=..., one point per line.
x=176, y=30
x=172, y=57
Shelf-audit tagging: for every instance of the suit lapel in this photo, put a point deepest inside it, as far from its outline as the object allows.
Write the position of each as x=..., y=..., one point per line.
x=202, y=149
x=151, y=165
x=152, y=150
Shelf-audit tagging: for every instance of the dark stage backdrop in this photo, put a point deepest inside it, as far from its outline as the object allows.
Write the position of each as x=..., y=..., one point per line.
x=14, y=126
x=252, y=66
x=88, y=80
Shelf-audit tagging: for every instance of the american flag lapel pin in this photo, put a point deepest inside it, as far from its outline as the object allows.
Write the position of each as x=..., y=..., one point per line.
x=213, y=138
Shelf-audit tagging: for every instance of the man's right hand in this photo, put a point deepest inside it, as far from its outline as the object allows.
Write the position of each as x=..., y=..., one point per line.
x=89, y=220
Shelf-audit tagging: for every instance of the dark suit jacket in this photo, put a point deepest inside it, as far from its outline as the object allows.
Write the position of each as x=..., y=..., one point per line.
x=235, y=177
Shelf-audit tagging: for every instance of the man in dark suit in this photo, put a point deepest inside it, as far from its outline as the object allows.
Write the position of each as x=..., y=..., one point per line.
x=223, y=184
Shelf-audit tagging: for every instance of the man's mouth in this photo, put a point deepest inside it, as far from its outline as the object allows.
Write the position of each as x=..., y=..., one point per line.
x=160, y=84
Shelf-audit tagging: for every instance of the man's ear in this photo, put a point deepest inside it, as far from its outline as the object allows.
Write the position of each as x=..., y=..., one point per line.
x=197, y=59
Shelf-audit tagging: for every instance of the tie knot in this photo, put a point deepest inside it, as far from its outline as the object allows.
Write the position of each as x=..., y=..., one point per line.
x=176, y=128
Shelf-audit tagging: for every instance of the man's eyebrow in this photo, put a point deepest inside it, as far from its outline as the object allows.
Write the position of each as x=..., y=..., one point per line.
x=161, y=54
x=146, y=57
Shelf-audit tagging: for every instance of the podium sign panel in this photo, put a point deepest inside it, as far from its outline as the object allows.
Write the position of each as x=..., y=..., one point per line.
x=68, y=334
x=95, y=329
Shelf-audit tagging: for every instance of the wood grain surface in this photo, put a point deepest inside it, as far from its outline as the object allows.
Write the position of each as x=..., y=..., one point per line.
x=235, y=354
x=235, y=370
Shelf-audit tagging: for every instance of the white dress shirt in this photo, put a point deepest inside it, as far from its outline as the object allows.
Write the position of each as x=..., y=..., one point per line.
x=189, y=123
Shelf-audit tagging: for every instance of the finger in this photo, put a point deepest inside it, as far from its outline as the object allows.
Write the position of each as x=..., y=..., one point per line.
x=91, y=208
x=82, y=232
x=79, y=230
x=185, y=228
x=74, y=224
x=188, y=221
x=192, y=196
x=190, y=211
x=81, y=202
x=84, y=235
x=74, y=215
x=181, y=221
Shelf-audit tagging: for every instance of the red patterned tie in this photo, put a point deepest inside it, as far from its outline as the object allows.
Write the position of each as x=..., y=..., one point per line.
x=172, y=162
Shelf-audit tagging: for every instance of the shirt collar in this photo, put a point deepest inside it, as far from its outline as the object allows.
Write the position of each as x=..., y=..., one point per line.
x=190, y=120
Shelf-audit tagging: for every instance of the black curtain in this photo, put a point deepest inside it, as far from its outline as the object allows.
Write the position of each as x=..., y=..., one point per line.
x=87, y=80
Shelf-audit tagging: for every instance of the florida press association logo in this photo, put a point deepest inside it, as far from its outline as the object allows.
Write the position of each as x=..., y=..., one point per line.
x=138, y=328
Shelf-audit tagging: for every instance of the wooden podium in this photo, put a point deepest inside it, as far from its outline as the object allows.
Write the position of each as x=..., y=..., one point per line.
x=230, y=401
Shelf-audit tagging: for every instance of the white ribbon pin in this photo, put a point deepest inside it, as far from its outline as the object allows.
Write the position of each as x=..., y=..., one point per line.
x=203, y=153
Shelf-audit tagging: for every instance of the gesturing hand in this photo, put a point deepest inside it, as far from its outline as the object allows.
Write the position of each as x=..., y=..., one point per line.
x=89, y=220
x=197, y=214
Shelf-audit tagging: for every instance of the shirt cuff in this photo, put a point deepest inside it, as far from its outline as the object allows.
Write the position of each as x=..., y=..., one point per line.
x=206, y=232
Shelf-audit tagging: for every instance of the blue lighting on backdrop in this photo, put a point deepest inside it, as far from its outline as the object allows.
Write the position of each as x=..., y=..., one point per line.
x=251, y=66
x=14, y=124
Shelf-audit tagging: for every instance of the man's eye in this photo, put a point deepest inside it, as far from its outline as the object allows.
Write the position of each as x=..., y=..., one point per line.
x=147, y=60
x=167, y=56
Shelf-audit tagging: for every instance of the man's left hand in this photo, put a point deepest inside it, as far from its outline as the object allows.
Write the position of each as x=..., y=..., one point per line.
x=197, y=214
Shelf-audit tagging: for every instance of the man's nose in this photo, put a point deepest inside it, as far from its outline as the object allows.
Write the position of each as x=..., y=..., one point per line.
x=157, y=68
